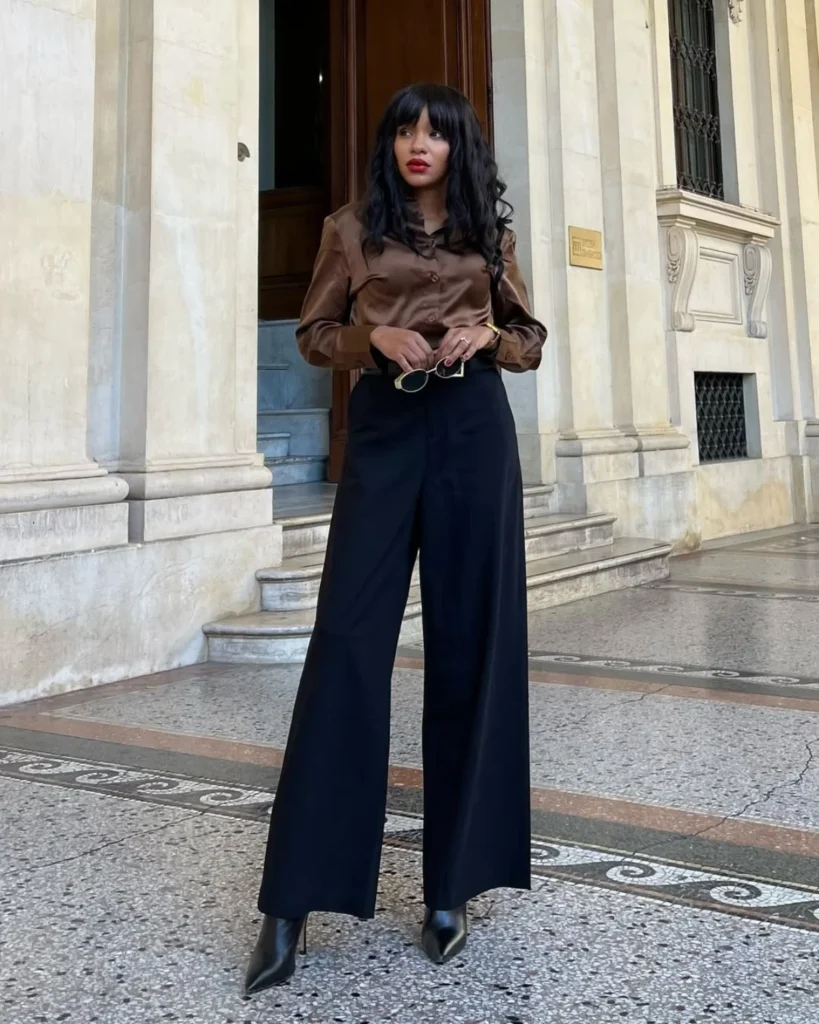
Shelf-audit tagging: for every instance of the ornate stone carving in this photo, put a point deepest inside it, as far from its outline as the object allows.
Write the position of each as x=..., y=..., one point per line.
x=735, y=10
x=757, y=264
x=683, y=250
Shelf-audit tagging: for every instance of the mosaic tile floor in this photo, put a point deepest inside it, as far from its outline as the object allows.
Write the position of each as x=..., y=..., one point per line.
x=675, y=775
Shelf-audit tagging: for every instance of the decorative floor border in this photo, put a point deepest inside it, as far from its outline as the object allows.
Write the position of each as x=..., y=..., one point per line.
x=730, y=590
x=631, y=666
x=660, y=671
x=796, y=907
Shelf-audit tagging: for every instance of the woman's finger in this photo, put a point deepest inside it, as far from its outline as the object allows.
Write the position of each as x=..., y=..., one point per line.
x=447, y=346
x=402, y=361
x=464, y=345
x=419, y=355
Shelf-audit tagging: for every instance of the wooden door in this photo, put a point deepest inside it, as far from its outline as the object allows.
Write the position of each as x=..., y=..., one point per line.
x=377, y=47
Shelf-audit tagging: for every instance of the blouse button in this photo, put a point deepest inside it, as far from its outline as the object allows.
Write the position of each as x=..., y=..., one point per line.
x=434, y=278
x=431, y=318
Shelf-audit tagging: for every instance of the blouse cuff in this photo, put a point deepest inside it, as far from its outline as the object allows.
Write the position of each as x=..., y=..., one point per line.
x=354, y=346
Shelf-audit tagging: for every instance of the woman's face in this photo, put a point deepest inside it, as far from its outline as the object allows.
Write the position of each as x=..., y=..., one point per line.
x=422, y=153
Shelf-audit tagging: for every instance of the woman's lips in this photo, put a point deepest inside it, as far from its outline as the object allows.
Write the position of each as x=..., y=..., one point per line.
x=418, y=166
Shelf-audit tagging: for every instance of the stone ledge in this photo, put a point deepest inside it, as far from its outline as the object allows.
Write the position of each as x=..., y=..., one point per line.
x=740, y=222
x=60, y=531
x=195, y=514
x=150, y=484
x=618, y=443
x=33, y=495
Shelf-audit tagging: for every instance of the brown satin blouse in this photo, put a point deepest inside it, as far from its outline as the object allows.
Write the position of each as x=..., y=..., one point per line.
x=428, y=291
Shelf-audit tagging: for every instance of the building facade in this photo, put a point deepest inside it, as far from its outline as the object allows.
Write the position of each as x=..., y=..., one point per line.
x=662, y=160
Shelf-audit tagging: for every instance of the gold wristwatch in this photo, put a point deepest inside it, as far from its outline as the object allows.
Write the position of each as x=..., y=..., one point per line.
x=492, y=327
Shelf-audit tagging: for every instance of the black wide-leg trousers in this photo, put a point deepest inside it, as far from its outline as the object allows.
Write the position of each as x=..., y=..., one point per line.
x=438, y=473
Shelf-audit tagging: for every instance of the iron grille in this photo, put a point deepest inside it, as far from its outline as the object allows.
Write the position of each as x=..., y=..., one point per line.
x=721, y=428
x=696, y=103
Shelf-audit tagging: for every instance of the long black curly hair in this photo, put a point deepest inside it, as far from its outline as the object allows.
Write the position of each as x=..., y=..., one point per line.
x=477, y=213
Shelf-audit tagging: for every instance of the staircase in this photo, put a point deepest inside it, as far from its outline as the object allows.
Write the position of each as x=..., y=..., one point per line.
x=568, y=557
x=294, y=408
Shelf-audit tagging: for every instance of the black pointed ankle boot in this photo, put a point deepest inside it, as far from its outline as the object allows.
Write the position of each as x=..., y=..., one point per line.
x=444, y=933
x=273, y=960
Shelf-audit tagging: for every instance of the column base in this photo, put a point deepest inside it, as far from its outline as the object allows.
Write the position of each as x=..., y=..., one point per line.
x=62, y=531
x=194, y=514
x=177, y=480
x=643, y=476
x=599, y=457
x=62, y=515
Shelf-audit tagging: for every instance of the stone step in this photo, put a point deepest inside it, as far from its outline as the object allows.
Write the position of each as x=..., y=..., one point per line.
x=561, y=534
x=277, y=341
x=282, y=636
x=273, y=446
x=297, y=469
x=309, y=428
x=538, y=499
x=293, y=384
x=625, y=563
x=304, y=535
x=271, y=638
x=307, y=534
x=295, y=583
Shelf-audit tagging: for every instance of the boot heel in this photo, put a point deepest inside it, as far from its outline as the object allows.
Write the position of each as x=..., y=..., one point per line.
x=304, y=938
x=274, y=959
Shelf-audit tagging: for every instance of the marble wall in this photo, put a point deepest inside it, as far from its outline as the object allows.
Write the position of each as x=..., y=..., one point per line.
x=133, y=504
x=586, y=138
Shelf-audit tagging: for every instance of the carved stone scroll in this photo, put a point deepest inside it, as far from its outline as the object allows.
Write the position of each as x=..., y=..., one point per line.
x=683, y=255
x=757, y=264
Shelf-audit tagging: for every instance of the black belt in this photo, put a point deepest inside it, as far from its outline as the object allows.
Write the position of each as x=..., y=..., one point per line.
x=392, y=369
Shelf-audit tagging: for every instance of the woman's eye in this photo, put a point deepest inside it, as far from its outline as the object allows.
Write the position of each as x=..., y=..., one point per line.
x=436, y=135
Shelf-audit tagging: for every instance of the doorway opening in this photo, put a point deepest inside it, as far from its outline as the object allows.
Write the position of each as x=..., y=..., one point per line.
x=294, y=197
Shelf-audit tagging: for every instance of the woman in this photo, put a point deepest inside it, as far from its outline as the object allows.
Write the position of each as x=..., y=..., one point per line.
x=419, y=288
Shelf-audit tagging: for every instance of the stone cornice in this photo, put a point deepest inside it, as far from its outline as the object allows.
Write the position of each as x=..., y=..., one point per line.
x=688, y=209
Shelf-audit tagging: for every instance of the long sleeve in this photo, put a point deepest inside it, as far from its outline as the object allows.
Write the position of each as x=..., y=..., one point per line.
x=522, y=336
x=324, y=335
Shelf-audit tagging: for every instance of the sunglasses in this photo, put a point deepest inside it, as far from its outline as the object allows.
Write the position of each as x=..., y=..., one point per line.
x=413, y=381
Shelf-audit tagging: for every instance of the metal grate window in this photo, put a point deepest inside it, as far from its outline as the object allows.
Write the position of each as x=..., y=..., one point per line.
x=722, y=430
x=696, y=104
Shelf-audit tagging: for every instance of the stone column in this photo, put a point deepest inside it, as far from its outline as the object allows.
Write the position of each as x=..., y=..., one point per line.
x=519, y=90
x=53, y=497
x=185, y=442
x=579, y=317
x=799, y=192
x=617, y=450
x=634, y=265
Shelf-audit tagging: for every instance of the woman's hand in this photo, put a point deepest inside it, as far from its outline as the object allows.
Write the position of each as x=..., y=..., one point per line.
x=464, y=342
x=407, y=348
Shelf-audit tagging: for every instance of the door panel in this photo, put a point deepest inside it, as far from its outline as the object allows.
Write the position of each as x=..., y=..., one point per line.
x=290, y=222
x=376, y=48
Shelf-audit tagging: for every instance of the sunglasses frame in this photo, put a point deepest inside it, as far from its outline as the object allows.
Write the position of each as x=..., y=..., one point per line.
x=399, y=380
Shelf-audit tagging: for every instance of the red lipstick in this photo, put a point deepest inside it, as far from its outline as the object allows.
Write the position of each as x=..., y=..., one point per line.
x=417, y=166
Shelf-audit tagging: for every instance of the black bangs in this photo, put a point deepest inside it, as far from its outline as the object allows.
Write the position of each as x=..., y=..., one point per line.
x=477, y=214
x=442, y=104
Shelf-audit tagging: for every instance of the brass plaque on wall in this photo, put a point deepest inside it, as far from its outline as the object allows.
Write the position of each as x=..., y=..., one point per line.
x=585, y=248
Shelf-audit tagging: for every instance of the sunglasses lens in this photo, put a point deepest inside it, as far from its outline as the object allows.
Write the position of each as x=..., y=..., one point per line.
x=450, y=371
x=414, y=381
